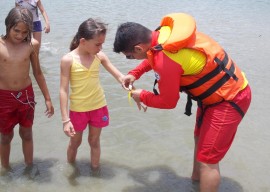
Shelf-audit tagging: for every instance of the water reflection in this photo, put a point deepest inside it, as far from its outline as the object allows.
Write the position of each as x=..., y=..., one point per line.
x=78, y=177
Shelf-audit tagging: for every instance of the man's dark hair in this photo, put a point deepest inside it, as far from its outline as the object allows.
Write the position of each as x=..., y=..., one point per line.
x=130, y=34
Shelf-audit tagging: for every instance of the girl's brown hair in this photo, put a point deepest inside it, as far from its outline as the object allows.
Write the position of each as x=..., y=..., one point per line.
x=88, y=30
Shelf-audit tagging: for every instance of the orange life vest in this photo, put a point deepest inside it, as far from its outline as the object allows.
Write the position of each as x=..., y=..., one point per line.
x=220, y=78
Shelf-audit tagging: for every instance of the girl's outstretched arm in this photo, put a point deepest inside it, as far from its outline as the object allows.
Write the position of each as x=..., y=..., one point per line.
x=110, y=67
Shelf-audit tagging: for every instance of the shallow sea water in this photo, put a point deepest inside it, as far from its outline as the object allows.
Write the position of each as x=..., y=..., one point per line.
x=152, y=151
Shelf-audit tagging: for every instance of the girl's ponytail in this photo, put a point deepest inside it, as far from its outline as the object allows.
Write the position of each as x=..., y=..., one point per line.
x=75, y=42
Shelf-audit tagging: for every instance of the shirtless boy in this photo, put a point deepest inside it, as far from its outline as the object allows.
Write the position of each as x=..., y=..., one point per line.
x=17, y=103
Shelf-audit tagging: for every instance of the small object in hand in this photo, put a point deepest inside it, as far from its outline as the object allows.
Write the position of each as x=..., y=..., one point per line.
x=130, y=87
x=129, y=97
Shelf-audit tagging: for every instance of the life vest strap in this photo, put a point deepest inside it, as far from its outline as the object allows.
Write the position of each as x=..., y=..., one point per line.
x=237, y=108
x=223, y=66
x=158, y=28
x=154, y=88
x=199, y=119
x=229, y=73
x=188, y=106
x=210, y=75
x=157, y=48
x=213, y=88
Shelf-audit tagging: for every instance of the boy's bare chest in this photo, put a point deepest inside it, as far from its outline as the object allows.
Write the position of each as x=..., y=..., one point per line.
x=14, y=56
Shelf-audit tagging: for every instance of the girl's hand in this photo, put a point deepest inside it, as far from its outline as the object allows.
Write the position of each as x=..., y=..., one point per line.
x=69, y=129
x=47, y=29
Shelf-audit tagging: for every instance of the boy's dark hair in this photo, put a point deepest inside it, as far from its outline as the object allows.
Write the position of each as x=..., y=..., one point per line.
x=130, y=34
x=17, y=15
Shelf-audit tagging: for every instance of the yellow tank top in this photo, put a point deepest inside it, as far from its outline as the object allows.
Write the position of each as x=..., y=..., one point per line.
x=86, y=91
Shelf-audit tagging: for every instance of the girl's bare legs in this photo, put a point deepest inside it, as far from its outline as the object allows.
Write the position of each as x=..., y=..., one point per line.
x=37, y=36
x=94, y=142
x=73, y=146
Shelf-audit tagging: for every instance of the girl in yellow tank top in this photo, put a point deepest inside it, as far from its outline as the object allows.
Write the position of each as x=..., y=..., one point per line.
x=80, y=74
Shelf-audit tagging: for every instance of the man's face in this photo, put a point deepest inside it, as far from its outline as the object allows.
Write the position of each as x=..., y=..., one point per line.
x=138, y=53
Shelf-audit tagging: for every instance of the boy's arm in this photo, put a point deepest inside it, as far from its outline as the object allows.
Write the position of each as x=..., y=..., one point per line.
x=38, y=74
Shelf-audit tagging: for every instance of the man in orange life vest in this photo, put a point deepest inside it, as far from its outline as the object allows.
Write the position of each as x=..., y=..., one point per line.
x=186, y=60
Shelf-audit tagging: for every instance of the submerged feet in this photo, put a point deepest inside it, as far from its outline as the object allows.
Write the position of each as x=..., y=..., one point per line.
x=95, y=171
x=31, y=171
x=71, y=170
x=5, y=171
